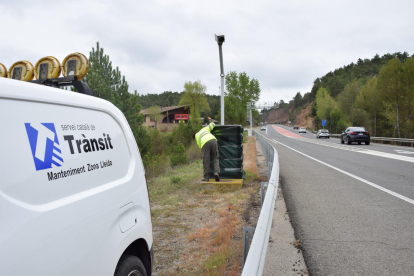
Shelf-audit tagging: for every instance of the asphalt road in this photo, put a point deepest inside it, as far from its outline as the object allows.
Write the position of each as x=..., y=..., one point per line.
x=352, y=206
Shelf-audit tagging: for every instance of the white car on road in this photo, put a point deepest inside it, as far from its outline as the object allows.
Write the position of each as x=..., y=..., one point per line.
x=322, y=133
x=302, y=130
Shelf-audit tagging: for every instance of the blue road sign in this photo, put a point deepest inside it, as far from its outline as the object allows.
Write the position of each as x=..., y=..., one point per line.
x=323, y=122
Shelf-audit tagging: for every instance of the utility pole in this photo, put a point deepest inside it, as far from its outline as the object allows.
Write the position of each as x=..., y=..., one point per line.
x=249, y=115
x=220, y=39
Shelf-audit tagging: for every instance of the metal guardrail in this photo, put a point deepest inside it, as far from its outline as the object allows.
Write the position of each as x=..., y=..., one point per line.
x=255, y=261
x=382, y=140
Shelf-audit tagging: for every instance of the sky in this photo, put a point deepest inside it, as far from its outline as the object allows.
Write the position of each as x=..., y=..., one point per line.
x=159, y=45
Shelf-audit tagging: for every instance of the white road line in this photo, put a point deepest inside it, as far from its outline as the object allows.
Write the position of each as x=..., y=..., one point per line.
x=404, y=152
x=409, y=200
x=354, y=149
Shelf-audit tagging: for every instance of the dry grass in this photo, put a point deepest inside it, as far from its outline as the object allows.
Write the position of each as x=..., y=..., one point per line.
x=194, y=152
x=198, y=232
x=249, y=149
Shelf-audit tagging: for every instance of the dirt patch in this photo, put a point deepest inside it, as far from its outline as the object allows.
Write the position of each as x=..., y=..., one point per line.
x=200, y=232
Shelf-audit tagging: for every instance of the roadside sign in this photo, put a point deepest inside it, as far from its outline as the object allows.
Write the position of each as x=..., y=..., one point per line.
x=323, y=122
x=179, y=117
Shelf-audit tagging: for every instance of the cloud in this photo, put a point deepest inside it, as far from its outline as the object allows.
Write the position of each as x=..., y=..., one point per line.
x=158, y=45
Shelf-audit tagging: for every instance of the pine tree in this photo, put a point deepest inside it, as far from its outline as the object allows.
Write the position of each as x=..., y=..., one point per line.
x=108, y=83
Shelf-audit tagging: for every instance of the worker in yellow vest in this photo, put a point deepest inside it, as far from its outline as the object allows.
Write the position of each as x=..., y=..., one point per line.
x=208, y=145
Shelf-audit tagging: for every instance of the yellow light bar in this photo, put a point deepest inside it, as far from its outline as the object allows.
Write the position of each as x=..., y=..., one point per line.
x=3, y=71
x=53, y=68
x=21, y=70
x=79, y=70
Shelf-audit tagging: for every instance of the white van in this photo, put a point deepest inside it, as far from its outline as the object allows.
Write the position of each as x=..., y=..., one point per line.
x=73, y=193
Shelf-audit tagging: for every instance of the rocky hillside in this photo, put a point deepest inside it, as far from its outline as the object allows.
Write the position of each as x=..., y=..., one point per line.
x=303, y=119
x=277, y=115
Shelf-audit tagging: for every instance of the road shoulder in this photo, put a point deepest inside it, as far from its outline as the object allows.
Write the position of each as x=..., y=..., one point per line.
x=284, y=256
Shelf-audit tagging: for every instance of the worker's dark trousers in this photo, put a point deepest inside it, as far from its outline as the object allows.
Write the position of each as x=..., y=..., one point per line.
x=210, y=149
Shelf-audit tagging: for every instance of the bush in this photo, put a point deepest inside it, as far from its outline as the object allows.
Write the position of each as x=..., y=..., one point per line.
x=155, y=165
x=245, y=134
x=175, y=179
x=143, y=140
x=184, y=134
x=179, y=157
x=194, y=152
x=160, y=143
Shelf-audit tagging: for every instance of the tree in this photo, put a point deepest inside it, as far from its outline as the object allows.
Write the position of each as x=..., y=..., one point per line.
x=408, y=83
x=240, y=90
x=235, y=111
x=336, y=117
x=389, y=85
x=179, y=157
x=257, y=119
x=347, y=97
x=195, y=97
x=316, y=85
x=325, y=104
x=241, y=86
x=108, y=83
x=359, y=117
x=282, y=104
x=297, y=100
x=369, y=100
x=155, y=114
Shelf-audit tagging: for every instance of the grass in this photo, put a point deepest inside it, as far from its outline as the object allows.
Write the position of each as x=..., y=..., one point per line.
x=198, y=232
x=181, y=177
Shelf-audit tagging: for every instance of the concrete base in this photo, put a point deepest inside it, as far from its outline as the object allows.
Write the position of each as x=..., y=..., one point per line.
x=223, y=185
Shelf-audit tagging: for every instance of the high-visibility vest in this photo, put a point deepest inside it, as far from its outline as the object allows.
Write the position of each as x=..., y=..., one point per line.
x=204, y=135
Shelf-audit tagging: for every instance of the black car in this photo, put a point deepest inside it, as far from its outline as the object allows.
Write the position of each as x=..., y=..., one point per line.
x=295, y=127
x=355, y=134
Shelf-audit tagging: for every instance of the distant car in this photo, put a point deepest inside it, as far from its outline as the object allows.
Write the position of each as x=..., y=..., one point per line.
x=302, y=130
x=262, y=128
x=295, y=127
x=322, y=133
x=355, y=134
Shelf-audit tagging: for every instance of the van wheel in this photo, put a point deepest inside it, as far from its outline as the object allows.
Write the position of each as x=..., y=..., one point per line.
x=130, y=266
x=348, y=141
x=367, y=143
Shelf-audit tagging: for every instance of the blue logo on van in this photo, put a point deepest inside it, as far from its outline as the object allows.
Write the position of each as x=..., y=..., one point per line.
x=45, y=146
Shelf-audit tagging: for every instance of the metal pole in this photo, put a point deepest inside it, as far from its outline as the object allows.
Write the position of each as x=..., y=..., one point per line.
x=251, y=119
x=222, y=83
x=168, y=122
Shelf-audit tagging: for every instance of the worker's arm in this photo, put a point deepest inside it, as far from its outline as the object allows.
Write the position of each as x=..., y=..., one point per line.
x=210, y=127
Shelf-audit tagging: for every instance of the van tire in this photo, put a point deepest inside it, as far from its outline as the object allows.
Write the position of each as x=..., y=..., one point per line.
x=130, y=266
